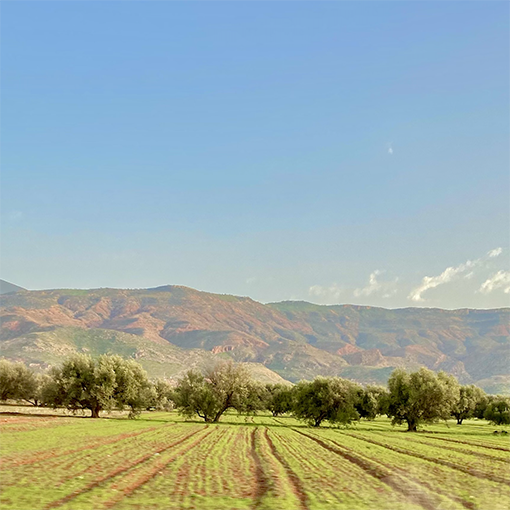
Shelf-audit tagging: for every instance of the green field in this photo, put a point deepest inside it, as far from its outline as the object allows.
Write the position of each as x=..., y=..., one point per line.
x=162, y=462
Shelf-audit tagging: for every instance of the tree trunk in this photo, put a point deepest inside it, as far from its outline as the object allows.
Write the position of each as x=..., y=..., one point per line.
x=411, y=426
x=95, y=412
x=459, y=421
x=217, y=417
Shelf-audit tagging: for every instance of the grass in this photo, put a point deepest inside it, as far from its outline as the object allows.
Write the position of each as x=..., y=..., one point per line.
x=163, y=462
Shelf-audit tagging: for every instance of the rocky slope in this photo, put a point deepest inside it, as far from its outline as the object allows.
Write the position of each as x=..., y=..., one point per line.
x=294, y=339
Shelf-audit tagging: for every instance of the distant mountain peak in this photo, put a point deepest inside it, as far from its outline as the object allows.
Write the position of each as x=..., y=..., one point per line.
x=7, y=288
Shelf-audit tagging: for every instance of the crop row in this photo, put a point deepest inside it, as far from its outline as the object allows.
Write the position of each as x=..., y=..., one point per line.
x=155, y=464
x=458, y=487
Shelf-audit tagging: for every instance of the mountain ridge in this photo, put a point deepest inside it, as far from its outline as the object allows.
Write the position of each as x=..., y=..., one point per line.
x=295, y=339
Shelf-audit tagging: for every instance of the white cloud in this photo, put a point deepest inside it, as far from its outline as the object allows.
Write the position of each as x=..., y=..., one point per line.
x=499, y=280
x=332, y=292
x=430, y=282
x=251, y=280
x=495, y=253
x=390, y=150
x=374, y=286
x=386, y=289
x=452, y=273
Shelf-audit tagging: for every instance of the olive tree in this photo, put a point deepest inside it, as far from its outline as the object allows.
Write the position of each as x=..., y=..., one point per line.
x=371, y=401
x=18, y=382
x=132, y=387
x=420, y=397
x=223, y=387
x=498, y=411
x=325, y=398
x=162, y=397
x=481, y=406
x=105, y=383
x=465, y=407
x=256, y=398
x=279, y=398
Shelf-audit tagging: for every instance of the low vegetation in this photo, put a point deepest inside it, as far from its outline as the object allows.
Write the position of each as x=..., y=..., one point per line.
x=319, y=445
x=162, y=461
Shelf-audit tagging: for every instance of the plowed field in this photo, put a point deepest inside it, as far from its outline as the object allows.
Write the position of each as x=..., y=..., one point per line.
x=160, y=462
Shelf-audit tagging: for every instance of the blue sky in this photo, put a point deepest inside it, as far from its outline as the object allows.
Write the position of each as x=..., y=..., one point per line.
x=336, y=152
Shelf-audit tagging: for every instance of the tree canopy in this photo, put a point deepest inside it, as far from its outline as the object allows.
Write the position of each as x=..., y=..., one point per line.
x=469, y=398
x=421, y=397
x=325, y=398
x=107, y=382
x=18, y=382
x=498, y=411
x=279, y=398
x=371, y=401
x=226, y=386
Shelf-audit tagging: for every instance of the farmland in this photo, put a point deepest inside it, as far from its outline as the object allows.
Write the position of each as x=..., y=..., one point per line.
x=160, y=461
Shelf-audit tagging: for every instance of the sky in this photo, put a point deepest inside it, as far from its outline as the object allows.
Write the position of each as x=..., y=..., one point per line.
x=332, y=152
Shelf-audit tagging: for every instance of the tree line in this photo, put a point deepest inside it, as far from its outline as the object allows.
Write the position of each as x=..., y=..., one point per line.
x=112, y=382
x=84, y=383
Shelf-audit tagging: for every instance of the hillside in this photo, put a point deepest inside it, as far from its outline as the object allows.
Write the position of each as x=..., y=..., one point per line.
x=41, y=350
x=294, y=339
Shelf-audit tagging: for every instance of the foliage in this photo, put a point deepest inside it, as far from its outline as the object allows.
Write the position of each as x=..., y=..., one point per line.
x=326, y=398
x=481, y=406
x=18, y=382
x=107, y=382
x=465, y=406
x=223, y=387
x=421, y=397
x=371, y=401
x=162, y=398
x=256, y=398
x=280, y=399
x=498, y=411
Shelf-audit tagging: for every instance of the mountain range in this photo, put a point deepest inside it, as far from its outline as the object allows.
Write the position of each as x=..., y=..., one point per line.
x=172, y=328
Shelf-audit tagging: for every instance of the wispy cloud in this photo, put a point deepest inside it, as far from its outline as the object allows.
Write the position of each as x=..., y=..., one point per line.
x=251, y=280
x=374, y=286
x=451, y=273
x=495, y=253
x=499, y=280
x=332, y=292
x=430, y=282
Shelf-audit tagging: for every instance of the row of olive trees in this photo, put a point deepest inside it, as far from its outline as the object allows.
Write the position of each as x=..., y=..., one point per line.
x=411, y=398
x=84, y=383
x=111, y=382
